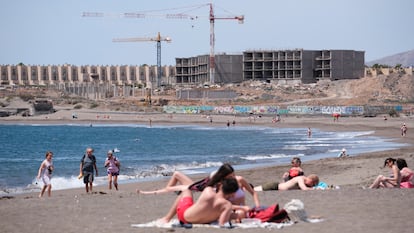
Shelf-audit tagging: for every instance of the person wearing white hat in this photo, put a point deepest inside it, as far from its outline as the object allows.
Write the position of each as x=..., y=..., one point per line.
x=112, y=167
x=343, y=153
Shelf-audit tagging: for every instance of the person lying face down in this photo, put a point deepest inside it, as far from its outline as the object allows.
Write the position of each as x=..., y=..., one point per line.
x=298, y=182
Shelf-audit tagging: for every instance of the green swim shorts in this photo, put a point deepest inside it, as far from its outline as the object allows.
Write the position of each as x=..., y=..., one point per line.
x=270, y=186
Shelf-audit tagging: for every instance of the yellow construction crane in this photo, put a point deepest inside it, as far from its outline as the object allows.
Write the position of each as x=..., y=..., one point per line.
x=157, y=39
x=211, y=17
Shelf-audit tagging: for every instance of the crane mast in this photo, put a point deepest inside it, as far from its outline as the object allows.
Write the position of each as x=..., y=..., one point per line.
x=157, y=39
x=212, y=19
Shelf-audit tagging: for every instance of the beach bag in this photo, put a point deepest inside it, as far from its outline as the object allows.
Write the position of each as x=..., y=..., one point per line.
x=269, y=214
x=200, y=185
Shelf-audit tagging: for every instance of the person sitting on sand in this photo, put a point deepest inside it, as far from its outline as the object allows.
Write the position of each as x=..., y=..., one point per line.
x=225, y=171
x=392, y=181
x=179, y=182
x=343, y=153
x=299, y=182
x=407, y=174
x=211, y=206
x=294, y=171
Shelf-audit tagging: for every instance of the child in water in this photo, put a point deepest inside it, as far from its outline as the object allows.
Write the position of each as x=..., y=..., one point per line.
x=45, y=172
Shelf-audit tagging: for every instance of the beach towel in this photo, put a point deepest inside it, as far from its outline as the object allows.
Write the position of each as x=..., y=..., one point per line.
x=295, y=209
x=248, y=223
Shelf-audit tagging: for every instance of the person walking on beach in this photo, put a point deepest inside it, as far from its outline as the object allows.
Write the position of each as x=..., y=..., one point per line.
x=112, y=165
x=87, y=167
x=392, y=181
x=403, y=130
x=45, y=172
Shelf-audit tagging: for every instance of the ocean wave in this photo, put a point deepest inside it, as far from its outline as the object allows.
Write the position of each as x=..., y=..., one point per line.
x=270, y=157
x=296, y=147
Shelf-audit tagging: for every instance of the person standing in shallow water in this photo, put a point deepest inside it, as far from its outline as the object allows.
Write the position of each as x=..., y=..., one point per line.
x=45, y=172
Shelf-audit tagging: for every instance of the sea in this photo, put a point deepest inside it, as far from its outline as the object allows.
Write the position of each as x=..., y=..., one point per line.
x=151, y=153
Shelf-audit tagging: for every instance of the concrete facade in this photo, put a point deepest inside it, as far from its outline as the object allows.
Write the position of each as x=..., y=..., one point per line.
x=284, y=66
x=196, y=70
x=69, y=74
x=305, y=66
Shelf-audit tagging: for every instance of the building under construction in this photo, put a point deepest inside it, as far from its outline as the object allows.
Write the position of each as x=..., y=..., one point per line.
x=290, y=66
x=303, y=66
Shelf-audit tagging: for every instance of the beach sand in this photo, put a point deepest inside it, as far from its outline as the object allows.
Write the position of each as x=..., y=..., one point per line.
x=351, y=208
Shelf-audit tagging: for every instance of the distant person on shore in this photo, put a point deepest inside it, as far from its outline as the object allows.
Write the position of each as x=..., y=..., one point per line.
x=228, y=123
x=299, y=182
x=45, y=172
x=343, y=153
x=86, y=169
x=407, y=180
x=112, y=165
x=392, y=181
x=309, y=132
x=295, y=170
x=404, y=130
x=211, y=206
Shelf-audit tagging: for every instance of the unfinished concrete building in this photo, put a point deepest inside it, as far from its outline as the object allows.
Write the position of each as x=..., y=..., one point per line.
x=304, y=66
x=196, y=70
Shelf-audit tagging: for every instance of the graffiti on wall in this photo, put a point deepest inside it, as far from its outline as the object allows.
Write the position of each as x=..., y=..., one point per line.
x=272, y=110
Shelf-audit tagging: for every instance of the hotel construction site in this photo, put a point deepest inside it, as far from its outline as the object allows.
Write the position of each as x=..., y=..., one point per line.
x=281, y=66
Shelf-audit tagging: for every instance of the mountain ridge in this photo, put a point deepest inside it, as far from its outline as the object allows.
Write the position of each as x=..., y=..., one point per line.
x=406, y=59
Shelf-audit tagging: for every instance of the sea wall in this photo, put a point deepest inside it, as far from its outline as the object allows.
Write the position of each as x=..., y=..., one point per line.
x=289, y=110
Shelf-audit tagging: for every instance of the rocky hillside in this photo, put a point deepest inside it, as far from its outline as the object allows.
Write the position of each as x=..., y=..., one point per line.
x=394, y=89
x=406, y=59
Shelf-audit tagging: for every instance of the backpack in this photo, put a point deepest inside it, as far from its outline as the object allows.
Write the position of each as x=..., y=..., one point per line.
x=119, y=163
x=269, y=214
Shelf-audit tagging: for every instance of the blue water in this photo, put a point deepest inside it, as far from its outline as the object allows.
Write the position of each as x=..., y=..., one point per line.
x=153, y=152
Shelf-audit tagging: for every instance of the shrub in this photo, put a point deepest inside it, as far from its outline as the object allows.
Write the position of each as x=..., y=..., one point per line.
x=393, y=113
x=94, y=105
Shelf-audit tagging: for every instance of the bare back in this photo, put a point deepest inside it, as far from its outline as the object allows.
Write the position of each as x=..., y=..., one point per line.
x=210, y=207
x=297, y=182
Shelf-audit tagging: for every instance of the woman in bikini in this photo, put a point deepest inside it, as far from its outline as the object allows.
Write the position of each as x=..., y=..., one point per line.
x=392, y=181
x=295, y=170
x=407, y=174
x=180, y=181
x=225, y=171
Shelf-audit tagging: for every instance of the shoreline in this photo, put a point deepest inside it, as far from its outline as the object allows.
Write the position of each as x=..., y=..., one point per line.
x=351, y=208
x=378, y=127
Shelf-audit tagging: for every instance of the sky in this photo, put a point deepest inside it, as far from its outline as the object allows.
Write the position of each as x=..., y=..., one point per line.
x=50, y=32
